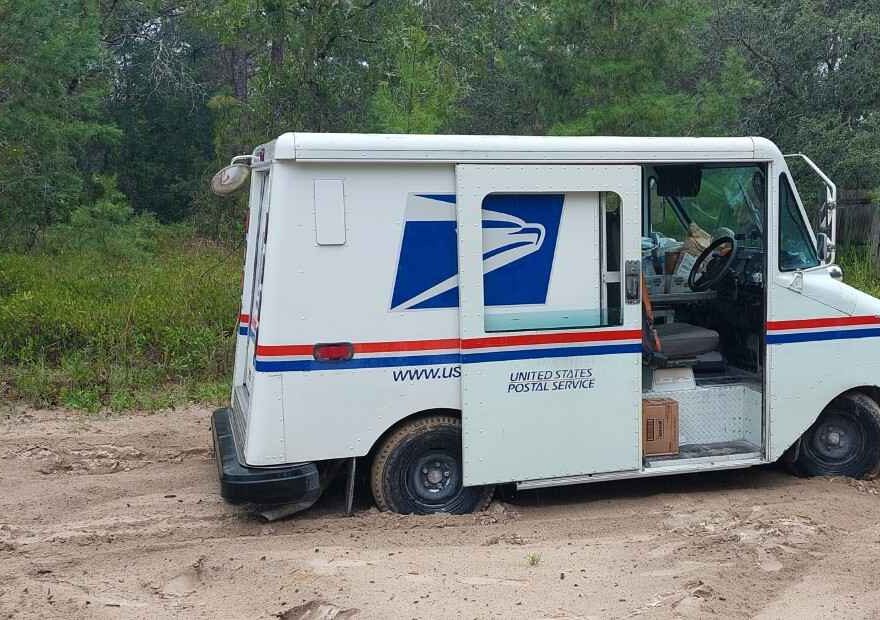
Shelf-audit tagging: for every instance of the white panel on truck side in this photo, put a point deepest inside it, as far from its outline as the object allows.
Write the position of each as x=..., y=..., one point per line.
x=399, y=242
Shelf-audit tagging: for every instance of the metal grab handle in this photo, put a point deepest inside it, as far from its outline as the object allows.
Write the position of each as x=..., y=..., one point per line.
x=632, y=281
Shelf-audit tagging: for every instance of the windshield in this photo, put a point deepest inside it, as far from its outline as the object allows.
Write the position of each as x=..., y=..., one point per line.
x=723, y=201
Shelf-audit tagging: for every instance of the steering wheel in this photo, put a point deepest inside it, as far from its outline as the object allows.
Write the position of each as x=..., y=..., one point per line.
x=712, y=264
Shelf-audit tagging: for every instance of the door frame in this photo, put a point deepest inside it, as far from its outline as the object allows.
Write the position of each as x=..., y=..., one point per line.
x=257, y=273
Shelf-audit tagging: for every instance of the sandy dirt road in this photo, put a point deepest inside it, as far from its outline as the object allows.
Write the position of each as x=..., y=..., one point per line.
x=119, y=517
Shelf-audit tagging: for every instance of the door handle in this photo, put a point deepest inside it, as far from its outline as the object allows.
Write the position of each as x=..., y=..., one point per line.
x=632, y=281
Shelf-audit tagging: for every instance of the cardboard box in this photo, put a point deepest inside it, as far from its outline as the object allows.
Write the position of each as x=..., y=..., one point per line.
x=678, y=284
x=678, y=279
x=659, y=427
x=656, y=284
x=671, y=261
x=685, y=264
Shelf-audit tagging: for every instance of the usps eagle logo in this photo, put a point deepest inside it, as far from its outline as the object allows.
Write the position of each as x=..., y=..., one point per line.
x=519, y=237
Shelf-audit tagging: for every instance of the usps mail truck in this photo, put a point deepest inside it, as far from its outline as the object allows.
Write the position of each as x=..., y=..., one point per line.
x=452, y=313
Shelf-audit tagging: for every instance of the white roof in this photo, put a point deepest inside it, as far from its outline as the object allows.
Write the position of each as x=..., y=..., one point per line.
x=457, y=149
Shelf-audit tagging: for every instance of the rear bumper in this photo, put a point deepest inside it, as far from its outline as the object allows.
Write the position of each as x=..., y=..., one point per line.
x=297, y=484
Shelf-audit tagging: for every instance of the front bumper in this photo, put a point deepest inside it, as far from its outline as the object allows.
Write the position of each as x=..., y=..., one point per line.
x=296, y=485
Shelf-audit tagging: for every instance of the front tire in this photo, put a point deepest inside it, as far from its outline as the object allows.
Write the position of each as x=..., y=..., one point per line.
x=844, y=441
x=417, y=470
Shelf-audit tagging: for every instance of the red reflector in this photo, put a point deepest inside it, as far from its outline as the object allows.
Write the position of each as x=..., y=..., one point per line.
x=333, y=352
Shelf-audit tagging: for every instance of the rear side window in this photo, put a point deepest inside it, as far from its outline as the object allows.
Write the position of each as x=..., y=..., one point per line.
x=539, y=274
x=796, y=250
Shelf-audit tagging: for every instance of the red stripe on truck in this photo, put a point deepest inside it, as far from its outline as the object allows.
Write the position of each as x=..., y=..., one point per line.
x=837, y=321
x=362, y=347
x=407, y=345
x=550, y=338
x=285, y=349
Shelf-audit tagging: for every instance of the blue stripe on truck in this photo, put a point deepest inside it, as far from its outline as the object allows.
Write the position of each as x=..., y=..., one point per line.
x=840, y=334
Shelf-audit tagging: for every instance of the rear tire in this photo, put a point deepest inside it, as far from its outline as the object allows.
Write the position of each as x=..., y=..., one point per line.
x=418, y=470
x=844, y=441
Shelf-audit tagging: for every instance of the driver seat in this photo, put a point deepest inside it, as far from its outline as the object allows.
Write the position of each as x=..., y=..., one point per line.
x=673, y=344
x=683, y=340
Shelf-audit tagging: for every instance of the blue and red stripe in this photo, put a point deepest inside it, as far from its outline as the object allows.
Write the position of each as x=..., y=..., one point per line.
x=454, y=350
x=823, y=329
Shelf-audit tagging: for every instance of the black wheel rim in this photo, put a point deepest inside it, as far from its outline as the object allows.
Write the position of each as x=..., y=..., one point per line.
x=434, y=478
x=836, y=440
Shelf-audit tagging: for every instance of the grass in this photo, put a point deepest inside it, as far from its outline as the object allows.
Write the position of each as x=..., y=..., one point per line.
x=859, y=270
x=89, y=329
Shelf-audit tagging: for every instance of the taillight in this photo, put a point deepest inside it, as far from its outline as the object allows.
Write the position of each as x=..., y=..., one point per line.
x=333, y=352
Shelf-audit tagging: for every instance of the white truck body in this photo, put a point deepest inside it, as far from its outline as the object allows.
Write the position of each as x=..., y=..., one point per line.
x=470, y=274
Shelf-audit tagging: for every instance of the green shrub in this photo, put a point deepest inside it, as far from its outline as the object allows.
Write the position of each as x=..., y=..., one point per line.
x=116, y=311
x=108, y=226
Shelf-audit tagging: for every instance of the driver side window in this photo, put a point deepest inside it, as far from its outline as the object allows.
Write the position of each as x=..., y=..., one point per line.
x=796, y=250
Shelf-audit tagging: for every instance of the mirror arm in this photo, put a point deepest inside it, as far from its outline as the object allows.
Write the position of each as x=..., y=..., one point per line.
x=830, y=187
x=829, y=216
x=245, y=160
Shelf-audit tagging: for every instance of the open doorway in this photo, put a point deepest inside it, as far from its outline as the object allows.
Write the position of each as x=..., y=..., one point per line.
x=704, y=307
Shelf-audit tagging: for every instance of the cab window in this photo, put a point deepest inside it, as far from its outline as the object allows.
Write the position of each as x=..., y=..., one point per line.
x=731, y=199
x=708, y=201
x=796, y=250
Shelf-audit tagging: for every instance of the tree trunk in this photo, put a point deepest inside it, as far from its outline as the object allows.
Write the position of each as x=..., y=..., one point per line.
x=276, y=60
x=238, y=68
x=276, y=53
x=874, y=237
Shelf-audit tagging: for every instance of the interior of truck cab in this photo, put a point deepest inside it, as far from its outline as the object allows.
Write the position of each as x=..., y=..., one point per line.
x=704, y=304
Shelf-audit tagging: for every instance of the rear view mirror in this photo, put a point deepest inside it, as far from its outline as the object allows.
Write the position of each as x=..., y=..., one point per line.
x=681, y=181
x=229, y=179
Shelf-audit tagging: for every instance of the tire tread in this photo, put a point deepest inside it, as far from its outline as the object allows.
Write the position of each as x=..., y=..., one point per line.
x=867, y=411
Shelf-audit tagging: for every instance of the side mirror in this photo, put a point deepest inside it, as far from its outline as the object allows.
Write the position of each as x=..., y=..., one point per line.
x=826, y=217
x=229, y=179
x=824, y=247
